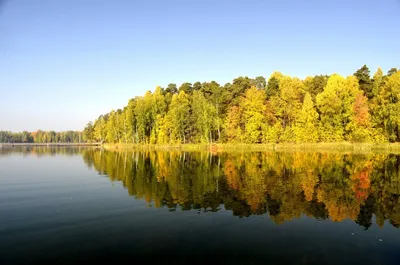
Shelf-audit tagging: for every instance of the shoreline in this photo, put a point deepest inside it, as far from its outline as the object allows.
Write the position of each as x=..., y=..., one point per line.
x=2, y=145
x=311, y=147
x=214, y=148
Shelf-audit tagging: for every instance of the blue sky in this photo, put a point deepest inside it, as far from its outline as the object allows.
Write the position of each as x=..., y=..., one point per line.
x=65, y=62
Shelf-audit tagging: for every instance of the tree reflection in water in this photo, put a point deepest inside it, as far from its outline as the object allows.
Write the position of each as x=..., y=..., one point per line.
x=284, y=185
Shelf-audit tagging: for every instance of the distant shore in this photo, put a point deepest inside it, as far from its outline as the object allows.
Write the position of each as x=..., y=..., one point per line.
x=342, y=147
x=47, y=144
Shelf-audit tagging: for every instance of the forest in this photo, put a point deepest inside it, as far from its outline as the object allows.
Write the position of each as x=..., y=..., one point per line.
x=282, y=109
x=41, y=137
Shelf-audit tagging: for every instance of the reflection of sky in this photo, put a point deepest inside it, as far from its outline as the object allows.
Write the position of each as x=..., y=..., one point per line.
x=65, y=63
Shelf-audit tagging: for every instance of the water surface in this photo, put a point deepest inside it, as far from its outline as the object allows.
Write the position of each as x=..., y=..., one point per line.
x=76, y=205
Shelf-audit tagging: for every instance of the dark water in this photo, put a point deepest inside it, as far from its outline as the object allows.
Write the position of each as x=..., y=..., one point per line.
x=74, y=206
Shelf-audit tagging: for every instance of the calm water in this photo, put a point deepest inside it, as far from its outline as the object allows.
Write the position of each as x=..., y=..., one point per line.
x=71, y=205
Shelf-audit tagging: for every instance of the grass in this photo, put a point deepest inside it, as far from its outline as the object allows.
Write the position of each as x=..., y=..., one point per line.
x=306, y=147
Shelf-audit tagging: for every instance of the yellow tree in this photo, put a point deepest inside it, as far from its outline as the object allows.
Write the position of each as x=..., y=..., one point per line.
x=306, y=129
x=233, y=130
x=360, y=126
x=177, y=117
x=158, y=109
x=287, y=104
x=330, y=106
x=253, y=114
x=387, y=109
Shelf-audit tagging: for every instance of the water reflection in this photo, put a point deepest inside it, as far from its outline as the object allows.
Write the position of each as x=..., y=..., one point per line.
x=39, y=151
x=362, y=187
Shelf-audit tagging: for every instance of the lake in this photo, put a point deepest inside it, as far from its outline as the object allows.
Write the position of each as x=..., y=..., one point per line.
x=87, y=205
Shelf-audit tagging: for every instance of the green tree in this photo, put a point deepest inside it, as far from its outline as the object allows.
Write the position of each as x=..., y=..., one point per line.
x=388, y=108
x=186, y=87
x=205, y=116
x=315, y=85
x=88, y=132
x=260, y=82
x=364, y=79
x=392, y=71
x=217, y=96
x=177, y=117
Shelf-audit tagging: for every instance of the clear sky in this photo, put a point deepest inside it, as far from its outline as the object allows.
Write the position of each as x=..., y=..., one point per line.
x=65, y=62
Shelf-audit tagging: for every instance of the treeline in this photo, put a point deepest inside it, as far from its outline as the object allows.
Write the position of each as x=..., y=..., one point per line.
x=357, y=108
x=42, y=137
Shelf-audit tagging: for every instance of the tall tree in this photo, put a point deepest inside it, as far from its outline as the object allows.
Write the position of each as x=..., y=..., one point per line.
x=360, y=126
x=315, y=85
x=88, y=132
x=205, y=116
x=330, y=107
x=306, y=129
x=217, y=96
x=233, y=126
x=253, y=114
x=388, y=108
x=392, y=71
x=273, y=84
x=171, y=88
x=177, y=117
x=260, y=82
x=186, y=87
x=364, y=79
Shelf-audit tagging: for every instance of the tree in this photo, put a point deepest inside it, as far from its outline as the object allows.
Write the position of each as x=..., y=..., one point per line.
x=377, y=82
x=176, y=118
x=100, y=129
x=217, y=96
x=236, y=90
x=260, y=82
x=88, y=132
x=273, y=84
x=315, y=85
x=197, y=86
x=112, y=128
x=388, y=108
x=364, y=80
x=171, y=88
x=130, y=121
x=286, y=105
x=186, y=87
x=306, y=129
x=330, y=107
x=158, y=110
x=253, y=108
x=360, y=126
x=233, y=127
x=205, y=116
x=26, y=137
x=392, y=71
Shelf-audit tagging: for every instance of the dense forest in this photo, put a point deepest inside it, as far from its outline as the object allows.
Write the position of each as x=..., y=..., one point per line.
x=42, y=137
x=357, y=108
